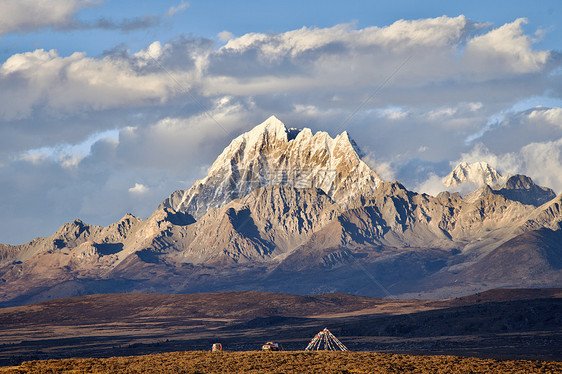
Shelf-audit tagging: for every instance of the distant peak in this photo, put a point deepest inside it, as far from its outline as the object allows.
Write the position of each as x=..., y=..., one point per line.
x=519, y=181
x=478, y=173
x=522, y=188
x=482, y=165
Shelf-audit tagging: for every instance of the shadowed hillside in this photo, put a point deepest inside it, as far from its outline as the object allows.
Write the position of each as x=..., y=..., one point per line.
x=497, y=324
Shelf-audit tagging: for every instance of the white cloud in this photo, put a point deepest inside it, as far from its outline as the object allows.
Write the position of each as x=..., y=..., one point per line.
x=67, y=155
x=383, y=169
x=406, y=54
x=138, y=189
x=552, y=116
x=459, y=110
x=441, y=113
x=27, y=15
x=431, y=186
x=393, y=113
x=75, y=83
x=506, y=49
x=499, y=118
x=178, y=8
x=34, y=157
x=473, y=107
x=180, y=144
x=225, y=35
x=402, y=34
x=153, y=52
x=543, y=162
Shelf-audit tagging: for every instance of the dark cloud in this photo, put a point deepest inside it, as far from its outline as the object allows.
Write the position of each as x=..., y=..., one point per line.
x=29, y=16
x=124, y=25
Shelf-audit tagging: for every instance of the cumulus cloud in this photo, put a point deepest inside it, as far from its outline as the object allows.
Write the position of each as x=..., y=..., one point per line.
x=505, y=49
x=413, y=53
x=400, y=35
x=543, y=162
x=341, y=56
x=552, y=116
x=432, y=185
x=44, y=80
x=73, y=83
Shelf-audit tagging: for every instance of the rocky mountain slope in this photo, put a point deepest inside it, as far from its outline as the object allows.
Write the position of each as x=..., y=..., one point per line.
x=291, y=211
x=522, y=188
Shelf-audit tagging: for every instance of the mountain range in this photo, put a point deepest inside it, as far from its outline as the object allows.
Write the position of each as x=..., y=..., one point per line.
x=286, y=210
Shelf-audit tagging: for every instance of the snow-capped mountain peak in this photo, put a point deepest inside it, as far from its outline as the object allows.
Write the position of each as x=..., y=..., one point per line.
x=271, y=154
x=270, y=127
x=477, y=173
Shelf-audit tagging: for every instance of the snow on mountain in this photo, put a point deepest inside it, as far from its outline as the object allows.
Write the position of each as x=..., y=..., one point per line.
x=271, y=154
x=475, y=174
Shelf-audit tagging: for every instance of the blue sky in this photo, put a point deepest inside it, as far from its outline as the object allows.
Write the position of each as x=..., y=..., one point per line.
x=106, y=107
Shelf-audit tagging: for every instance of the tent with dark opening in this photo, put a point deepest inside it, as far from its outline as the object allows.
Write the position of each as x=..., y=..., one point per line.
x=326, y=341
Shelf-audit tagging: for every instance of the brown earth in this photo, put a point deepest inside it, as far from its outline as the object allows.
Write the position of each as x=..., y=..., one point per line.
x=500, y=324
x=284, y=362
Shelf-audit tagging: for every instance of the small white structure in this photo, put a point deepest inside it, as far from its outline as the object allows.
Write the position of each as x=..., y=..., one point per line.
x=270, y=346
x=325, y=340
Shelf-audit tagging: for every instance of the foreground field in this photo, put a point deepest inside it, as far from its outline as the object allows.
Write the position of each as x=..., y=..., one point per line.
x=284, y=362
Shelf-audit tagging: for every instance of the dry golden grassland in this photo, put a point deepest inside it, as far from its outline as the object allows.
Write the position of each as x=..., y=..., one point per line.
x=284, y=362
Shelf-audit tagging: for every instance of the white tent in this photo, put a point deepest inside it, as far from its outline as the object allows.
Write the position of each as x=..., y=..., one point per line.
x=325, y=340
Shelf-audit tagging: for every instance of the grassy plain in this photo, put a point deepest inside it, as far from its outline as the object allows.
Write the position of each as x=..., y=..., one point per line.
x=284, y=362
